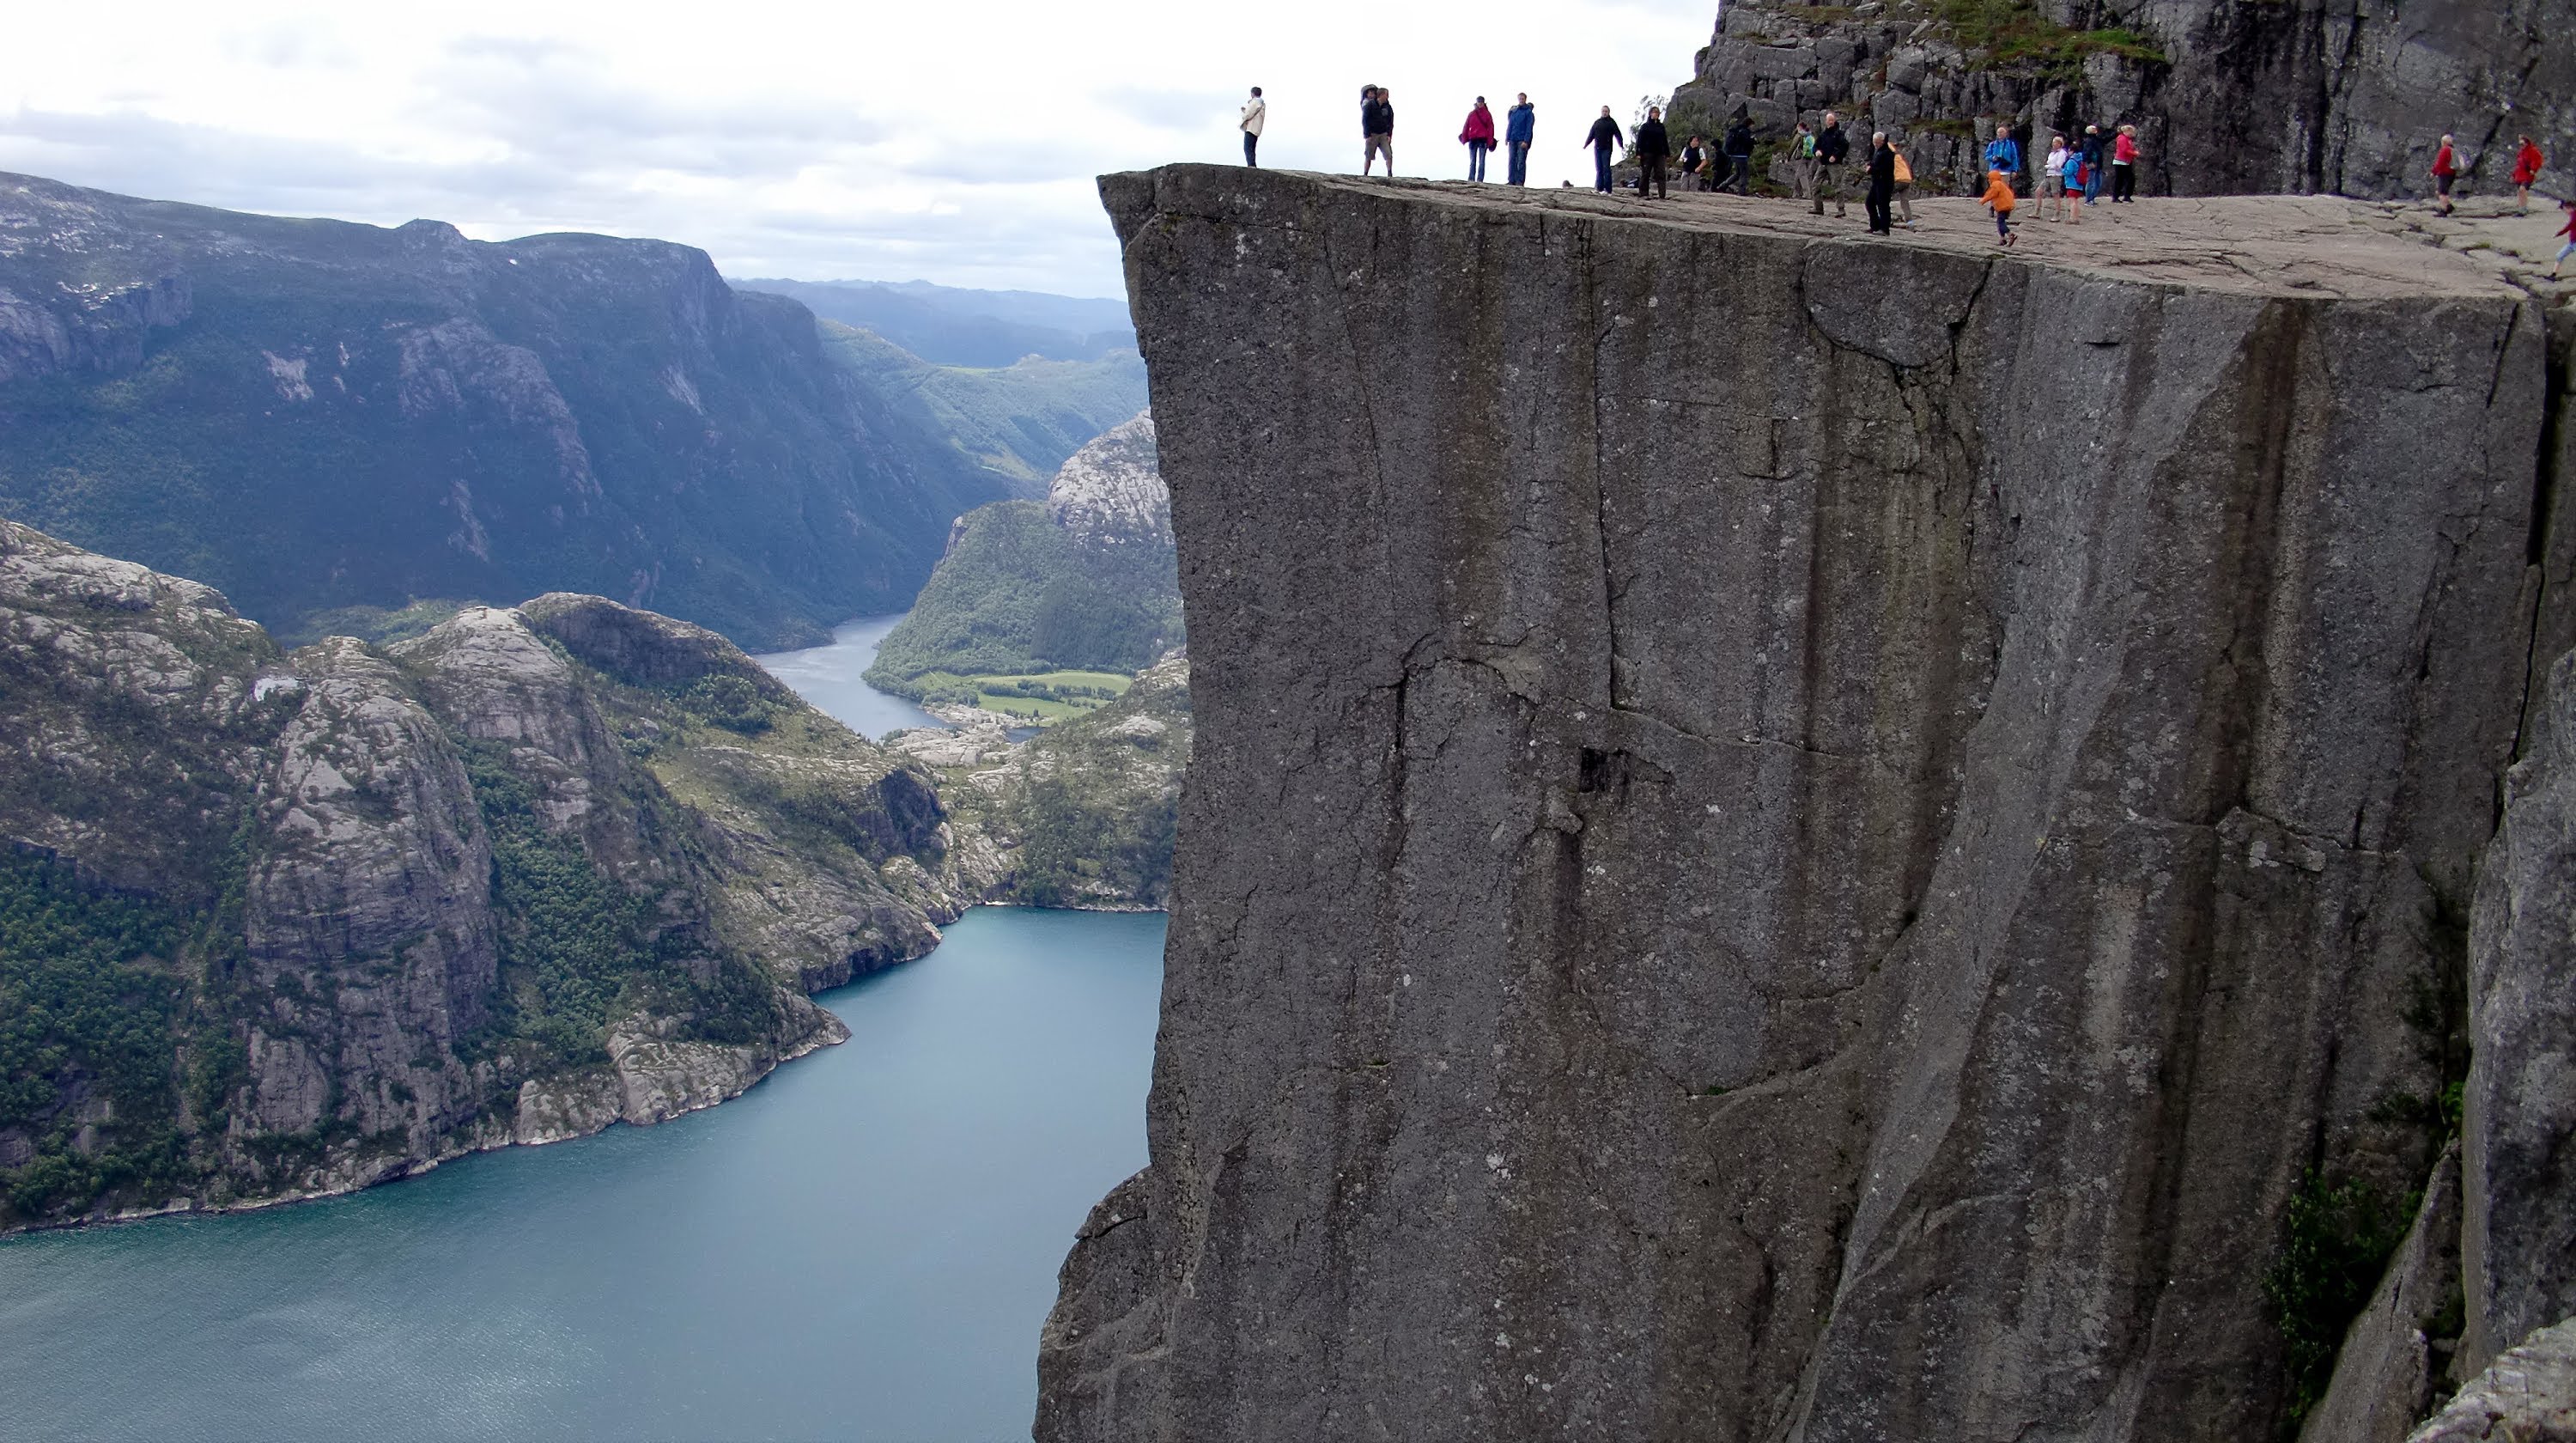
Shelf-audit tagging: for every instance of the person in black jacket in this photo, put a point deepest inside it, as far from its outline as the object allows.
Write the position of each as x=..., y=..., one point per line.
x=1377, y=128
x=1739, y=154
x=1832, y=149
x=1654, y=148
x=1882, y=186
x=1603, y=138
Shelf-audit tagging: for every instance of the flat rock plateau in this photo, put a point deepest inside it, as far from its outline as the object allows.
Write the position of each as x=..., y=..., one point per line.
x=1802, y=836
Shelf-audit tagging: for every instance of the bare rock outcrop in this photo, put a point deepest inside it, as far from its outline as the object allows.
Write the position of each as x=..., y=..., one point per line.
x=1794, y=836
x=2528, y=1395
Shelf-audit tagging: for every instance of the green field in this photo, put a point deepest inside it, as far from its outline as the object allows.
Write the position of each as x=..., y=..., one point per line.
x=1045, y=697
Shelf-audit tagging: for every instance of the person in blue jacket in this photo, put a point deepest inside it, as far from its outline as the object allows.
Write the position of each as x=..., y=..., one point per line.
x=1519, y=128
x=2004, y=153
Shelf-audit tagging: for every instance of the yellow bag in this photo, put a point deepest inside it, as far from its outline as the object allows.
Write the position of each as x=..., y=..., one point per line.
x=1904, y=172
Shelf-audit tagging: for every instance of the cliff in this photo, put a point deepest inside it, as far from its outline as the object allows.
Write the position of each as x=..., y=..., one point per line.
x=2344, y=96
x=332, y=422
x=1803, y=837
x=277, y=923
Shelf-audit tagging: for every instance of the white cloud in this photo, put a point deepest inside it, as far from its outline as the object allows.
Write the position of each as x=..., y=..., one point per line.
x=952, y=143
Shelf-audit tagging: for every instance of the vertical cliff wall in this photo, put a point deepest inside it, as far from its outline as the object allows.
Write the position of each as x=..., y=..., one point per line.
x=1793, y=836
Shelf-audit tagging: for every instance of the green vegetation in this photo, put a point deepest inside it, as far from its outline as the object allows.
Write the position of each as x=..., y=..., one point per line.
x=1018, y=597
x=88, y=1007
x=1019, y=421
x=2016, y=33
x=2337, y=1240
x=1044, y=697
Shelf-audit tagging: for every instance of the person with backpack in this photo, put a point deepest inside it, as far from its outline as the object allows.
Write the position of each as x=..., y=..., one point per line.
x=1831, y=150
x=2003, y=153
x=1882, y=186
x=2527, y=163
x=1254, y=110
x=1603, y=138
x=1478, y=137
x=1999, y=199
x=1654, y=149
x=2124, y=166
x=2052, y=179
x=2446, y=169
x=1739, y=154
x=1377, y=128
x=1520, y=127
x=1904, y=187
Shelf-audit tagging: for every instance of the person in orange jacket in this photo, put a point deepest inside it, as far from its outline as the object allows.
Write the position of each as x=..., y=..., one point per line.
x=1999, y=199
x=2526, y=169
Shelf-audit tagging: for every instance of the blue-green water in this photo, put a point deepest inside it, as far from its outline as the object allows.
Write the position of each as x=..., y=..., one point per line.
x=861, y=1247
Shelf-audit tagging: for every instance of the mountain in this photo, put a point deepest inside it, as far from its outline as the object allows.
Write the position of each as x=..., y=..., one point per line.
x=1083, y=582
x=952, y=327
x=333, y=422
x=2013, y=878
x=276, y=923
x=1020, y=421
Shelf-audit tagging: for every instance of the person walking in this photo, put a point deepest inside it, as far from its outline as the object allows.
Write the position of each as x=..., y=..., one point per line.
x=1254, y=110
x=2097, y=158
x=1802, y=161
x=1478, y=137
x=1904, y=187
x=2446, y=169
x=1832, y=149
x=2004, y=153
x=2052, y=179
x=2568, y=233
x=1999, y=199
x=1520, y=127
x=1882, y=186
x=1654, y=149
x=1739, y=154
x=2124, y=166
x=2527, y=162
x=1603, y=137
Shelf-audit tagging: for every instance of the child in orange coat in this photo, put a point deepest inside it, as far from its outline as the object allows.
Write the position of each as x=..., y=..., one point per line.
x=1999, y=199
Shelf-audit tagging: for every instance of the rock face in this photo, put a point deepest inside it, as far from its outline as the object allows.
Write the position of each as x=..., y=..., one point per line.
x=2527, y=1396
x=2348, y=96
x=1112, y=491
x=332, y=421
x=1795, y=837
x=275, y=924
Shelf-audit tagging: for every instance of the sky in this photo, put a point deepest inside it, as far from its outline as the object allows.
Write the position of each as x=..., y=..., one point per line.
x=945, y=142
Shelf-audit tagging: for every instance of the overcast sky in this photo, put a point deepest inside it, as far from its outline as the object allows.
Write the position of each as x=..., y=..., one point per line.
x=953, y=142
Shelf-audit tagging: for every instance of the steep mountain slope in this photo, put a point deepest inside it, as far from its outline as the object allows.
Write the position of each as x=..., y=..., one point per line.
x=275, y=923
x=1022, y=420
x=2347, y=96
x=1951, y=895
x=947, y=326
x=316, y=416
x=1084, y=581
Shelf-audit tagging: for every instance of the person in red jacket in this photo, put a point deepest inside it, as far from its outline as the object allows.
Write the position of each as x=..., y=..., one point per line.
x=2445, y=170
x=2526, y=169
x=1478, y=137
x=2124, y=166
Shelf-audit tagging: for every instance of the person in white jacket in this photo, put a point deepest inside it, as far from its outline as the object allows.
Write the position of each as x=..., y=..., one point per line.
x=1253, y=111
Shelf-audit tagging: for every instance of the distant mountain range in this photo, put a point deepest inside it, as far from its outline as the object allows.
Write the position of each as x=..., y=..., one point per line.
x=355, y=429
x=952, y=327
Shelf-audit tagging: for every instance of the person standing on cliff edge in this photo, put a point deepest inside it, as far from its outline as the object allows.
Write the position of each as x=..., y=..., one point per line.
x=1478, y=137
x=1832, y=149
x=1377, y=128
x=1520, y=127
x=2446, y=169
x=2124, y=166
x=1879, y=198
x=1654, y=149
x=1254, y=110
x=2004, y=153
x=1603, y=136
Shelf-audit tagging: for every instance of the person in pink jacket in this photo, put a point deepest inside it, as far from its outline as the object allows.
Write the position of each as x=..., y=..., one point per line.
x=2124, y=166
x=1478, y=137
